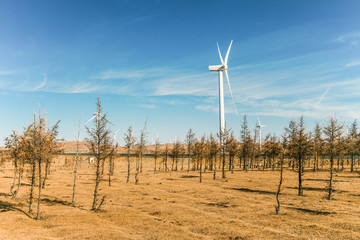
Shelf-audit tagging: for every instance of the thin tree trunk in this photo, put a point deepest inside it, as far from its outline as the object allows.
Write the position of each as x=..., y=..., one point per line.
x=14, y=181
x=39, y=197
x=277, y=208
x=75, y=175
x=189, y=160
x=76, y=163
x=155, y=164
x=200, y=163
x=19, y=183
x=32, y=186
x=232, y=164
x=223, y=164
x=138, y=169
x=46, y=173
x=300, y=190
x=214, y=177
x=97, y=181
x=110, y=166
x=128, y=172
x=141, y=165
x=331, y=177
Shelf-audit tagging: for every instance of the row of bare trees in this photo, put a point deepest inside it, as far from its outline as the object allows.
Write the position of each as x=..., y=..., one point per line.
x=31, y=152
x=297, y=149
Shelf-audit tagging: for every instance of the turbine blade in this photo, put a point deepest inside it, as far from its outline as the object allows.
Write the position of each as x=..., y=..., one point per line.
x=227, y=78
x=227, y=54
x=117, y=131
x=222, y=61
x=106, y=119
x=259, y=123
x=109, y=121
x=90, y=120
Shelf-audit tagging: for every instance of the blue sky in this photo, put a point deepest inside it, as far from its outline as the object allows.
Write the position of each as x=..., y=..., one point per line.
x=150, y=59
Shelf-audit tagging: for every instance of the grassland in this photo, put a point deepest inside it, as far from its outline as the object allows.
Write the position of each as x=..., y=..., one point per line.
x=174, y=205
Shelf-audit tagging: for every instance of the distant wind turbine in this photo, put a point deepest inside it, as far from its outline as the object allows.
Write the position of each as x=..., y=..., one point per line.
x=223, y=69
x=347, y=129
x=259, y=126
x=115, y=139
x=98, y=115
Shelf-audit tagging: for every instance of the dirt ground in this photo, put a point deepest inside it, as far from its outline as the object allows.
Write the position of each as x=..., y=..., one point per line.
x=174, y=205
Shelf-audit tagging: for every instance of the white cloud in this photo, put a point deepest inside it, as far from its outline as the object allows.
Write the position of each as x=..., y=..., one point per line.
x=352, y=38
x=353, y=64
x=149, y=106
x=6, y=73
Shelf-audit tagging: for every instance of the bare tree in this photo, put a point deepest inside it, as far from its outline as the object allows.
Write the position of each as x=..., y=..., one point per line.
x=100, y=146
x=39, y=143
x=112, y=158
x=223, y=136
x=353, y=148
x=318, y=144
x=271, y=149
x=140, y=152
x=165, y=157
x=214, y=151
x=246, y=143
x=199, y=152
x=156, y=152
x=300, y=147
x=76, y=162
x=16, y=153
x=283, y=153
x=129, y=143
x=232, y=148
x=190, y=139
x=176, y=153
x=332, y=131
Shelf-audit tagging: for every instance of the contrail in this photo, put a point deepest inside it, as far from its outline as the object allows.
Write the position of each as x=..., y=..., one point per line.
x=323, y=95
x=42, y=84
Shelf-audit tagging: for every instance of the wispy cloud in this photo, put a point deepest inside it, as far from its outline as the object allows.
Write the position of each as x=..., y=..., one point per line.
x=353, y=64
x=323, y=95
x=6, y=73
x=41, y=85
x=149, y=106
x=80, y=88
x=128, y=74
x=352, y=38
x=137, y=20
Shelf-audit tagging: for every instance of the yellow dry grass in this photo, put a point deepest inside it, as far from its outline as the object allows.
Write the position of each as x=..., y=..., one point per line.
x=174, y=205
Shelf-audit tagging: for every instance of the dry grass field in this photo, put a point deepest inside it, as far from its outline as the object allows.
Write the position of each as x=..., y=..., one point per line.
x=174, y=205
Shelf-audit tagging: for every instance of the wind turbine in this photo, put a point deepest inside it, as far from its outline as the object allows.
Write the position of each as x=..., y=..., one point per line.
x=259, y=126
x=223, y=69
x=98, y=115
x=115, y=140
x=347, y=129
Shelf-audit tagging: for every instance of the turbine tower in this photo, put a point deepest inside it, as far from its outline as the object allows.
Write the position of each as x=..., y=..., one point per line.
x=223, y=69
x=259, y=126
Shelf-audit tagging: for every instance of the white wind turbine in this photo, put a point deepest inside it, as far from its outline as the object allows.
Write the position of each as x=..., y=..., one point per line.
x=97, y=115
x=347, y=129
x=115, y=139
x=223, y=69
x=259, y=126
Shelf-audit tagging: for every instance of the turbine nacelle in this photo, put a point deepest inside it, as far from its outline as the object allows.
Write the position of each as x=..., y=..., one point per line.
x=217, y=68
